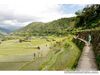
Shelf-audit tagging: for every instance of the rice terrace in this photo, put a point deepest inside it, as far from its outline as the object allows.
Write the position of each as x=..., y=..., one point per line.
x=64, y=44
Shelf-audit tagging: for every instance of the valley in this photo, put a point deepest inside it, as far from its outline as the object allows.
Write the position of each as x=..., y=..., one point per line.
x=53, y=45
x=37, y=54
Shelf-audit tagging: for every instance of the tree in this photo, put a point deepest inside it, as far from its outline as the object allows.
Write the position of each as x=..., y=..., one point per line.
x=86, y=16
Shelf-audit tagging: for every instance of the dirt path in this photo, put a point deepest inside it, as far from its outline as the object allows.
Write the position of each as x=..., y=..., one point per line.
x=87, y=59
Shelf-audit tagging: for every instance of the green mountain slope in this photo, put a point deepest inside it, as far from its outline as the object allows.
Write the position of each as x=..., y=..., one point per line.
x=56, y=27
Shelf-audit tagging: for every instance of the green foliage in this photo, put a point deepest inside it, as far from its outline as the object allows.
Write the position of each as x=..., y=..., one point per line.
x=79, y=12
x=98, y=58
x=60, y=57
x=88, y=17
x=56, y=27
x=13, y=53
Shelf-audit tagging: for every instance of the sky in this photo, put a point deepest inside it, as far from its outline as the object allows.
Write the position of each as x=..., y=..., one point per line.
x=23, y=12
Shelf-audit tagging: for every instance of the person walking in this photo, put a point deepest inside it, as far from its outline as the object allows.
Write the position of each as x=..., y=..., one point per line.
x=89, y=39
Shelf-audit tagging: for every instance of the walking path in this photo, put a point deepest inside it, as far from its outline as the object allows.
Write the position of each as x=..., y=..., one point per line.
x=87, y=59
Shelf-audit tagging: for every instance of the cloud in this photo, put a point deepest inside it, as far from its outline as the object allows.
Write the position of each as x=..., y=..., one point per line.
x=22, y=12
x=15, y=12
x=10, y=22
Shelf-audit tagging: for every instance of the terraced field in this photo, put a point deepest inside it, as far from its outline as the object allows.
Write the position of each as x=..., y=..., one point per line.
x=39, y=53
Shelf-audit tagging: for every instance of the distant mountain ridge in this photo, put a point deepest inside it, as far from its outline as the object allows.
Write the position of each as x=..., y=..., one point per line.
x=56, y=27
x=8, y=29
x=4, y=30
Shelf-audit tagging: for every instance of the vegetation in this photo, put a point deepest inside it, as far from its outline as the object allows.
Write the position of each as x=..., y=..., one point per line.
x=89, y=17
x=57, y=27
x=50, y=46
x=56, y=56
x=13, y=51
x=38, y=53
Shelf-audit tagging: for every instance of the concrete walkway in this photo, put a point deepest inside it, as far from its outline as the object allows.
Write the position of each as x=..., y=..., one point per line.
x=87, y=60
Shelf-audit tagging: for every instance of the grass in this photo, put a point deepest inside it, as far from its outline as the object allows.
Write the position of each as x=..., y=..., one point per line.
x=60, y=57
x=11, y=65
x=13, y=47
x=38, y=63
x=65, y=59
x=15, y=55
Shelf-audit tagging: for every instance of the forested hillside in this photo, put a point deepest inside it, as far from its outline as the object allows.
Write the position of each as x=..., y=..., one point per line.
x=56, y=27
x=89, y=17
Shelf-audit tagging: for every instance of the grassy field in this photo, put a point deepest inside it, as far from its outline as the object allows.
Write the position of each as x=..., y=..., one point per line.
x=63, y=56
x=39, y=53
x=14, y=53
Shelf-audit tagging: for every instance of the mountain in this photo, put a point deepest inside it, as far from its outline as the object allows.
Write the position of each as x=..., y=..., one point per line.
x=11, y=27
x=8, y=29
x=4, y=30
x=56, y=27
